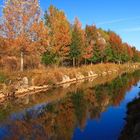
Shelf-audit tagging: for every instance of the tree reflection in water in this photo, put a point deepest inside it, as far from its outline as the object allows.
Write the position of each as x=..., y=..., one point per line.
x=58, y=120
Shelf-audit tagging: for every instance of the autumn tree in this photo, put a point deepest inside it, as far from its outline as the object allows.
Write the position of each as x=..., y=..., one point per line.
x=116, y=44
x=99, y=48
x=59, y=33
x=26, y=41
x=101, y=43
x=91, y=37
x=96, y=40
x=124, y=54
x=135, y=57
x=20, y=19
x=78, y=42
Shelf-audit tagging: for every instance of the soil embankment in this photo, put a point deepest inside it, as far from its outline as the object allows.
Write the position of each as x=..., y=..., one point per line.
x=35, y=81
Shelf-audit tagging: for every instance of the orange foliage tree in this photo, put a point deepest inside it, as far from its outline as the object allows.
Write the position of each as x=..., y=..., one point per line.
x=59, y=33
x=20, y=19
x=91, y=35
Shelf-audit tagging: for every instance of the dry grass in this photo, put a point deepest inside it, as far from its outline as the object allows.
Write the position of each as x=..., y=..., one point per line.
x=52, y=75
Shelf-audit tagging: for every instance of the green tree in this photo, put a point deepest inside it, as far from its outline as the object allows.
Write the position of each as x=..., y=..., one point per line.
x=96, y=58
x=108, y=54
x=49, y=58
x=78, y=42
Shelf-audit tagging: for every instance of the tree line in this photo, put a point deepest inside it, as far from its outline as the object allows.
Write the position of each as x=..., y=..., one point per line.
x=29, y=41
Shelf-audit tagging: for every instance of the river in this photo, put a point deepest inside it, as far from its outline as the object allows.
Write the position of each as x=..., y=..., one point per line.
x=89, y=110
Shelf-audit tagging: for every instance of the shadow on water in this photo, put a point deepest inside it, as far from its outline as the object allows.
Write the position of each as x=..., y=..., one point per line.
x=81, y=112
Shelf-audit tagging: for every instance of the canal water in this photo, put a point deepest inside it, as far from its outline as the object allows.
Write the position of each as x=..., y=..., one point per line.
x=89, y=110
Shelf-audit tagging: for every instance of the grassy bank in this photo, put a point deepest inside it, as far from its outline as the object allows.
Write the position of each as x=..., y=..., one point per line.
x=53, y=75
x=44, y=78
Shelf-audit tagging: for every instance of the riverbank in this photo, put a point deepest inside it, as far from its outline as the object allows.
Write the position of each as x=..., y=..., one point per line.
x=132, y=128
x=34, y=81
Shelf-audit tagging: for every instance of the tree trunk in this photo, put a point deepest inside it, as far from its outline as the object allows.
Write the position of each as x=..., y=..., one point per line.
x=119, y=62
x=85, y=61
x=21, y=62
x=101, y=61
x=91, y=63
x=78, y=62
x=74, y=61
x=61, y=61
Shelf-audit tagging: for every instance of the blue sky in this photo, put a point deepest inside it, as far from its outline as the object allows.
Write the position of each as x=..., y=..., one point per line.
x=121, y=16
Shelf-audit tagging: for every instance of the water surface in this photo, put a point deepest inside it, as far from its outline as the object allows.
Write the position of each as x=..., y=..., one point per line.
x=92, y=110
